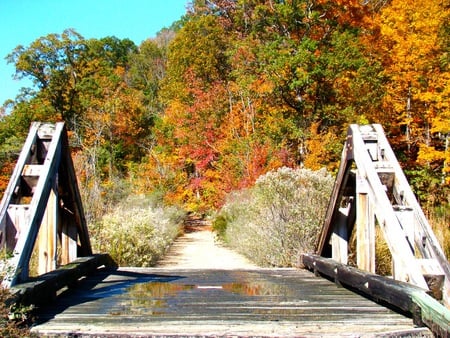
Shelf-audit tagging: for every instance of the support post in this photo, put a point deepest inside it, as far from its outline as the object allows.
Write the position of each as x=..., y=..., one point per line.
x=365, y=228
x=69, y=237
x=339, y=237
x=47, y=240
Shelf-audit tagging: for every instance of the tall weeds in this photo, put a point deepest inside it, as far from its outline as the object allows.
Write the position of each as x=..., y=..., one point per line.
x=440, y=222
x=277, y=219
x=138, y=232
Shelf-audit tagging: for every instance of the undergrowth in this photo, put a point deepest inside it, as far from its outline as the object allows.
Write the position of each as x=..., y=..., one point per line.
x=277, y=219
x=440, y=222
x=138, y=232
x=14, y=321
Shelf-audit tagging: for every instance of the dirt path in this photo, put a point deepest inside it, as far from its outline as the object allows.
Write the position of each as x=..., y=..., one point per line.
x=197, y=249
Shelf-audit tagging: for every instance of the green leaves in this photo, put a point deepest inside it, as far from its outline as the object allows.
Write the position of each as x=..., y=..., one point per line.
x=238, y=88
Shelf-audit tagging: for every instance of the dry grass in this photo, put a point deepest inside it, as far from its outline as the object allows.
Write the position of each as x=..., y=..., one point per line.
x=440, y=222
x=138, y=232
x=383, y=257
x=279, y=218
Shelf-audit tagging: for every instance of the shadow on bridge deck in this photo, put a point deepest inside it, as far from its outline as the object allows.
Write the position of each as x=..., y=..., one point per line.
x=211, y=303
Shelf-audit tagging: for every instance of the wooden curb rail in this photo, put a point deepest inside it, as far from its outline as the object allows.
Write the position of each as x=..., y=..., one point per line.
x=44, y=288
x=425, y=310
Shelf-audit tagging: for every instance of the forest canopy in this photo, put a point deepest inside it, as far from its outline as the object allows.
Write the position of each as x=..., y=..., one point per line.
x=237, y=88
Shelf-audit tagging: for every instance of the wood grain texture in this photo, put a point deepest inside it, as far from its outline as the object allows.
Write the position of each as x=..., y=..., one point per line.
x=210, y=303
x=406, y=297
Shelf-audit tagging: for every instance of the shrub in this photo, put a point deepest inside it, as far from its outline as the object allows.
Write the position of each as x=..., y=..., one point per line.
x=279, y=218
x=138, y=232
x=219, y=225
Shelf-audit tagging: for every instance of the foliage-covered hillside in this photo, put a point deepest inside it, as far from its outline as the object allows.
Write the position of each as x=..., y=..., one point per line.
x=238, y=88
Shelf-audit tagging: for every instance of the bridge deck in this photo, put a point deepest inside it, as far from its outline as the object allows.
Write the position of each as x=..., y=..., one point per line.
x=258, y=302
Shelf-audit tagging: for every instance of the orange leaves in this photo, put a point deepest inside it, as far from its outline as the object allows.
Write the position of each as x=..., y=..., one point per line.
x=320, y=147
x=429, y=154
x=409, y=33
x=5, y=174
x=413, y=46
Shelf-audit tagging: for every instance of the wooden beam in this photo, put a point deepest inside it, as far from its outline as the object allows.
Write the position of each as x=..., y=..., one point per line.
x=339, y=237
x=425, y=310
x=332, y=213
x=72, y=201
x=44, y=179
x=431, y=249
x=42, y=289
x=365, y=228
x=47, y=237
x=8, y=196
x=26, y=240
x=68, y=237
x=393, y=233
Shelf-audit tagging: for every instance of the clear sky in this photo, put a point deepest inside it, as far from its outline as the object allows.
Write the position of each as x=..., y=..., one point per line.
x=23, y=21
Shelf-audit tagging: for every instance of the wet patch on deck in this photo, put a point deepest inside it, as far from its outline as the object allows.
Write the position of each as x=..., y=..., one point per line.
x=211, y=303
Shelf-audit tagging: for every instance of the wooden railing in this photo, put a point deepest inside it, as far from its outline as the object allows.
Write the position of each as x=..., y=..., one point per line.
x=371, y=189
x=404, y=297
x=41, y=211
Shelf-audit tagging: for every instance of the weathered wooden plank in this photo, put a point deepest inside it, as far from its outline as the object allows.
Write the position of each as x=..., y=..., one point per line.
x=47, y=236
x=393, y=234
x=339, y=187
x=42, y=289
x=340, y=236
x=25, y=243
x=72, y=205
x=404, y=226
x=48, y=181
x=432, y=247
x=403, y=296
x=69, y=237
x=8, y=195
x=171, y=302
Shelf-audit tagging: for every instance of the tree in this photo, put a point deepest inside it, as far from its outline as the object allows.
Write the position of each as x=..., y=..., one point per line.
x=85, y=83
x=414, y=42
x=53, y=63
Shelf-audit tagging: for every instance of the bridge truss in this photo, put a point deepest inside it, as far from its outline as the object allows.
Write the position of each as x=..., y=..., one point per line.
x=41, y=210
x=371, y=190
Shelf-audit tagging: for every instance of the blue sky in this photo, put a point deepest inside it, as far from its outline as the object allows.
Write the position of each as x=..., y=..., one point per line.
x=23, y=21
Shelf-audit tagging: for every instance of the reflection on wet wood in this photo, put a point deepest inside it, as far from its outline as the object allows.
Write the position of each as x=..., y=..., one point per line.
x=261, y=302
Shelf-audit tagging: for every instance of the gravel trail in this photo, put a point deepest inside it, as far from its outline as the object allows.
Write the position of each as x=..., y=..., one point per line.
x=198, y=249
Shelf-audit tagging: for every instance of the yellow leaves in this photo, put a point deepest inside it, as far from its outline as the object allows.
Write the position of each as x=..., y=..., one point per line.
x=412, y=49
x=262, y=86
x=441, y=124
x=174, y=112
x=320, y=148
x=429, y=154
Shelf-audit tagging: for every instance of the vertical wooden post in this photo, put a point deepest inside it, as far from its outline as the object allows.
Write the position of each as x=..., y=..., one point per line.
x=365, y=228
x=47, y=238
x=339, y=237
x=69, y=236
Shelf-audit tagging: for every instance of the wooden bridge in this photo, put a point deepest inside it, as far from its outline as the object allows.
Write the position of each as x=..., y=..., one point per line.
x=77, y=293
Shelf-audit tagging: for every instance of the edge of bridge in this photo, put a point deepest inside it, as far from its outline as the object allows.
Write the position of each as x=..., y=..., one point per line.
x=406, y=297
x=371, y=190
x=44, y=288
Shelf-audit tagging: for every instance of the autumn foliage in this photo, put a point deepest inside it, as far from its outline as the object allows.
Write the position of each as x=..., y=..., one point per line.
x=235, y=89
